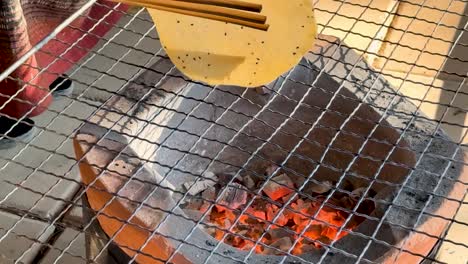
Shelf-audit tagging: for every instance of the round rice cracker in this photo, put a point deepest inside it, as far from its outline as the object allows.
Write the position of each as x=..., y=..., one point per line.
x=219, y=53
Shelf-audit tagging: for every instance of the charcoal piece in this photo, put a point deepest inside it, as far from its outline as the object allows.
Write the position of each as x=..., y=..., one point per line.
x=234, y=196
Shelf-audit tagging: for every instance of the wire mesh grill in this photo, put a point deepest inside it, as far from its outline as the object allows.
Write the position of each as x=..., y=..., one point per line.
x=128, y=87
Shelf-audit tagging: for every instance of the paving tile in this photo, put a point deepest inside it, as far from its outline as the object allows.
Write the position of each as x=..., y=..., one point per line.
x=416, y=29
x=340, y=19
x=450, y=252
x=120, y=59
x=47, y=165
x=70, y=248
x=422, y=89
x=28, y=235
x=74, y=216
x=76, y=252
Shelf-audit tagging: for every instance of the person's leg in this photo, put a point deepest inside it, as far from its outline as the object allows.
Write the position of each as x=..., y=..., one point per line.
x=12, y=131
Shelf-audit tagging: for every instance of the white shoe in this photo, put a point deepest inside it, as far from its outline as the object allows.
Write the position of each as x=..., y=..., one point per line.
x=17, y=131
x=62, y=86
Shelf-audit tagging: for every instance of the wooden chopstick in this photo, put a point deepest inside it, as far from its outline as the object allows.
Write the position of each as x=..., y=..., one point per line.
x=207, y=11
x=240, y=5
x=259, y=26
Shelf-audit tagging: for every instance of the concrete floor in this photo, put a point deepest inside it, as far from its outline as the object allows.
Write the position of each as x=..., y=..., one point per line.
x=47, y=165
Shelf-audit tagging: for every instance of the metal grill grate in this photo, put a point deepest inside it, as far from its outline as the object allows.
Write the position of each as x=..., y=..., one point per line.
x=389, y=115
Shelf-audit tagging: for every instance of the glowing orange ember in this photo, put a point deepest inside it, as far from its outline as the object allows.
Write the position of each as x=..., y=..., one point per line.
x=282, y=220
x=281, y=228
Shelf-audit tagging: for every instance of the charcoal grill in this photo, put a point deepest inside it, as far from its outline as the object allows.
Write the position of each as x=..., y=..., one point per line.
x=331, y=118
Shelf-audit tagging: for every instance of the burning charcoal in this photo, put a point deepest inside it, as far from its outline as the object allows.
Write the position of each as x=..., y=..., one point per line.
x=313, y=232
x=278, y=233
x=194, y=204
x=193, y=214
x=347, y=202
x=271, y=211
x=209, y=180
x=332, y=233
x=256, y=214
x=269, y=251
x=243, y=232
x=227, y=224
x=248, y=245
x=308, y=248
x=235, y=240
x=226, y=177
x=275, y=191
x=359, y=192
x=204, y=207
x=209, y=194
x=219, y=234
x=217, y=216
x=234, y=196
x=304, y=210
x=287, y=197
x=320, y=188
x=188, y=185
x=248, y=182
x=194, y=188
x=211, y=230
x=346, y=185
x=208, y=175
x=283, y=244
x=257, y=231
x=282, y=220
x=270, y=169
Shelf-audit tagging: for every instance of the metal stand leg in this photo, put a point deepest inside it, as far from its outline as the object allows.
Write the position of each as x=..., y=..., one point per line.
x=96, y=239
